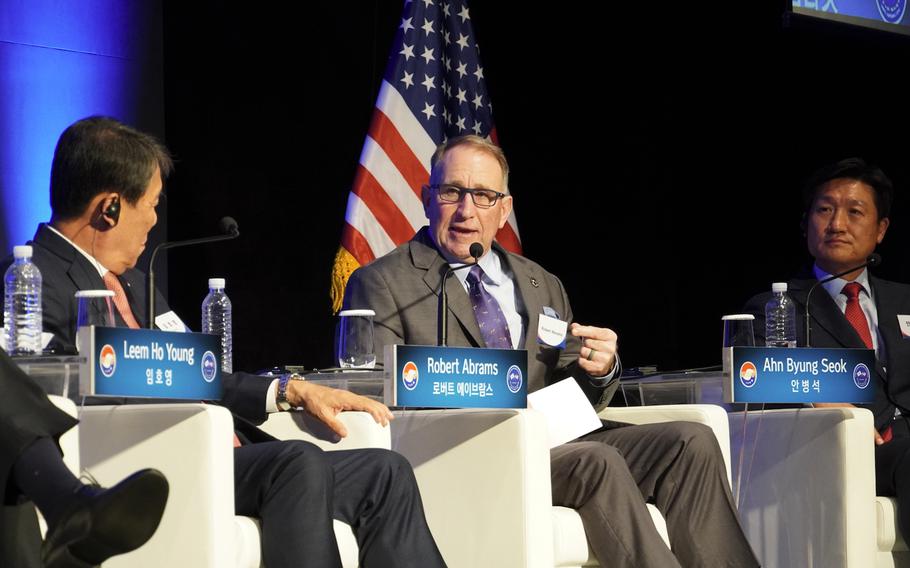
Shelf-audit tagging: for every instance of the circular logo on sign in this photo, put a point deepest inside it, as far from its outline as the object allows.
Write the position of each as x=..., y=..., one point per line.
x=891, y=11
x=861, y=375
x=513, y=379
x=107, y=360
x=409, y=375
x=748, y=374
x=209, y=366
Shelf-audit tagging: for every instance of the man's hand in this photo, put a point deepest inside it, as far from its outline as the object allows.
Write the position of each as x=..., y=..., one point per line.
x=878, y=437
x=598, y=351
x=325, y=403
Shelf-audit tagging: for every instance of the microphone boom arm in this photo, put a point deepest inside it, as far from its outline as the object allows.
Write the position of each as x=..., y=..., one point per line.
x=150, y=281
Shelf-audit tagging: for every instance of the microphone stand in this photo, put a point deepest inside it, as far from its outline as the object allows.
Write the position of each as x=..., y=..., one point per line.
x=150, y=281
x=442, y=317
x=873, y=260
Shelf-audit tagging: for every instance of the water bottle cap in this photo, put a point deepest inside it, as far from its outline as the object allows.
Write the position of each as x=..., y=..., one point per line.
x=216, y=283
x=22, y=251
x=345, y=313
x=95, y=294
x=779, y=287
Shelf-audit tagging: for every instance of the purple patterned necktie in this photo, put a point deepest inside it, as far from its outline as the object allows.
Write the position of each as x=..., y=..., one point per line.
x=490, y=319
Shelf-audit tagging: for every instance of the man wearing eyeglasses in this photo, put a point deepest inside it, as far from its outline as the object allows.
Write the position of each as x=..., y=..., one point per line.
x=608, y=475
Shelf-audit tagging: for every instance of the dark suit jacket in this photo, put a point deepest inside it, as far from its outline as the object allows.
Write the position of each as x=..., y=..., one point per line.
x=830, y=328
x=64, y=271
x=401, y=287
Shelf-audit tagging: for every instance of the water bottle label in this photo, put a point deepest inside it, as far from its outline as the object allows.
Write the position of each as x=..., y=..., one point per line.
x=170, y=322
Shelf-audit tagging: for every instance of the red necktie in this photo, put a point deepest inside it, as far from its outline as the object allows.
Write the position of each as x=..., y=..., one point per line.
x=855, y=314
x=112, y=283
x=858, y=320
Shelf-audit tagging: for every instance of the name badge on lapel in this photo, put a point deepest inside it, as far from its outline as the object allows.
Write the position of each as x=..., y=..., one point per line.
x=551, y=330
x=903, y=322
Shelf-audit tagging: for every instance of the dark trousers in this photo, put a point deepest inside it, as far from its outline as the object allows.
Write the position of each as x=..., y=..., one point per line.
x=892, y=472
x=25, y=415
x=608, y=476
x=296, y=489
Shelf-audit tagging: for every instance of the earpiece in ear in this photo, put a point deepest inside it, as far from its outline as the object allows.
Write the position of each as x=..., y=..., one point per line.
x=112, y=211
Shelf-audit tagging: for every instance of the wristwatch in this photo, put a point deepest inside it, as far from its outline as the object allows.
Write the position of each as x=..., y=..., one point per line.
x=282, y=399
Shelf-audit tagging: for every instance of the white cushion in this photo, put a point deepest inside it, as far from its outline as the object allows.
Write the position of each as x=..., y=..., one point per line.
x=570, y=544
x=247, y=545
x=347, y=544
x=888, y=537
x=246, y=542
x=660, y=523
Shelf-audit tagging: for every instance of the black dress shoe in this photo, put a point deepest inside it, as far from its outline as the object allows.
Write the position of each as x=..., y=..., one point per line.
x=101, y=524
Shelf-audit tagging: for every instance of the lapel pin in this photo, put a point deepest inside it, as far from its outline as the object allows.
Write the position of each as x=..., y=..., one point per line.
x=535, y=283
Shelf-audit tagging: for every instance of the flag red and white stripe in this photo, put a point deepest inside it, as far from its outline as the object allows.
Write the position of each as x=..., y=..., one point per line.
x=433, y=89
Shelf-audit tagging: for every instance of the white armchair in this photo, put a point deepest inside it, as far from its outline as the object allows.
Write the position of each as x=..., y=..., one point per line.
x=191, y=445
x=808, y=490
x=484, y=478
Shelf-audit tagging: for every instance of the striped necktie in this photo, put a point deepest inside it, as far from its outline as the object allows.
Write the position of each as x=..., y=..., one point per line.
x=112, y=283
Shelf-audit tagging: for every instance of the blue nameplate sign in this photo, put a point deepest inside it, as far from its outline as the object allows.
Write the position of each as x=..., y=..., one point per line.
x=149, y=363
x=456, y=377
x=800, y=375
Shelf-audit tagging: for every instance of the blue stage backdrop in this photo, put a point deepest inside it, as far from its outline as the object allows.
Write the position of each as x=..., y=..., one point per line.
x=61, y=61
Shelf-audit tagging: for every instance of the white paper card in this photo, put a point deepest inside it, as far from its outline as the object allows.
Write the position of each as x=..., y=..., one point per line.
x=904, y=323
x=567, y=410
x=170, y=321
x=551, y=331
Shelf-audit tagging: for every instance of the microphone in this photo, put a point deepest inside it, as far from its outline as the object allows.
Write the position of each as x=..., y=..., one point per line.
x=442, y=323
x=228, y=226
x=229, y=231
x=873, y=260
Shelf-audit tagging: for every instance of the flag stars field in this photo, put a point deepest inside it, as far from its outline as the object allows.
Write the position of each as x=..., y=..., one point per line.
x=384, y=207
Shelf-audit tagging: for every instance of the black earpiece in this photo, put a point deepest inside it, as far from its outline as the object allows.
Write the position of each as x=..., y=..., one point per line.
x=112, y=211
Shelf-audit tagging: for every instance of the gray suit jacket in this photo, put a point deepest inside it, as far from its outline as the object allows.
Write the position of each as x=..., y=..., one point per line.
x=402, y=288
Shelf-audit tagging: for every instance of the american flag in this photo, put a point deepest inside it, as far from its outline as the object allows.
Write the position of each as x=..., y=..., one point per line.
x=433, y=89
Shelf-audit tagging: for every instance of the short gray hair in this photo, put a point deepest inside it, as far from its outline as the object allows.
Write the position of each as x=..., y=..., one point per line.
x=477, y=143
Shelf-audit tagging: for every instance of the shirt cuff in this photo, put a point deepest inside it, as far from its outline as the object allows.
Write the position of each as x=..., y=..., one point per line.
x=271, y=405
x=602, y=381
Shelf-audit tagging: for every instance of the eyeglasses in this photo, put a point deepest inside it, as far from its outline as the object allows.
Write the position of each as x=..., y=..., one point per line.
x=451, y=193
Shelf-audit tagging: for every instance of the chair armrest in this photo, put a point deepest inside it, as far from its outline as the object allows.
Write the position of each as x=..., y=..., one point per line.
x=484, y=478
x=191, y=445
x=708, y=414
x=363, y=431
x=808, y=485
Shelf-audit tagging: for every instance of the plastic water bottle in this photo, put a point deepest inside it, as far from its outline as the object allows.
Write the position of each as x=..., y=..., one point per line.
x=22, y=305
x=216, y=319
x=780, y=318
